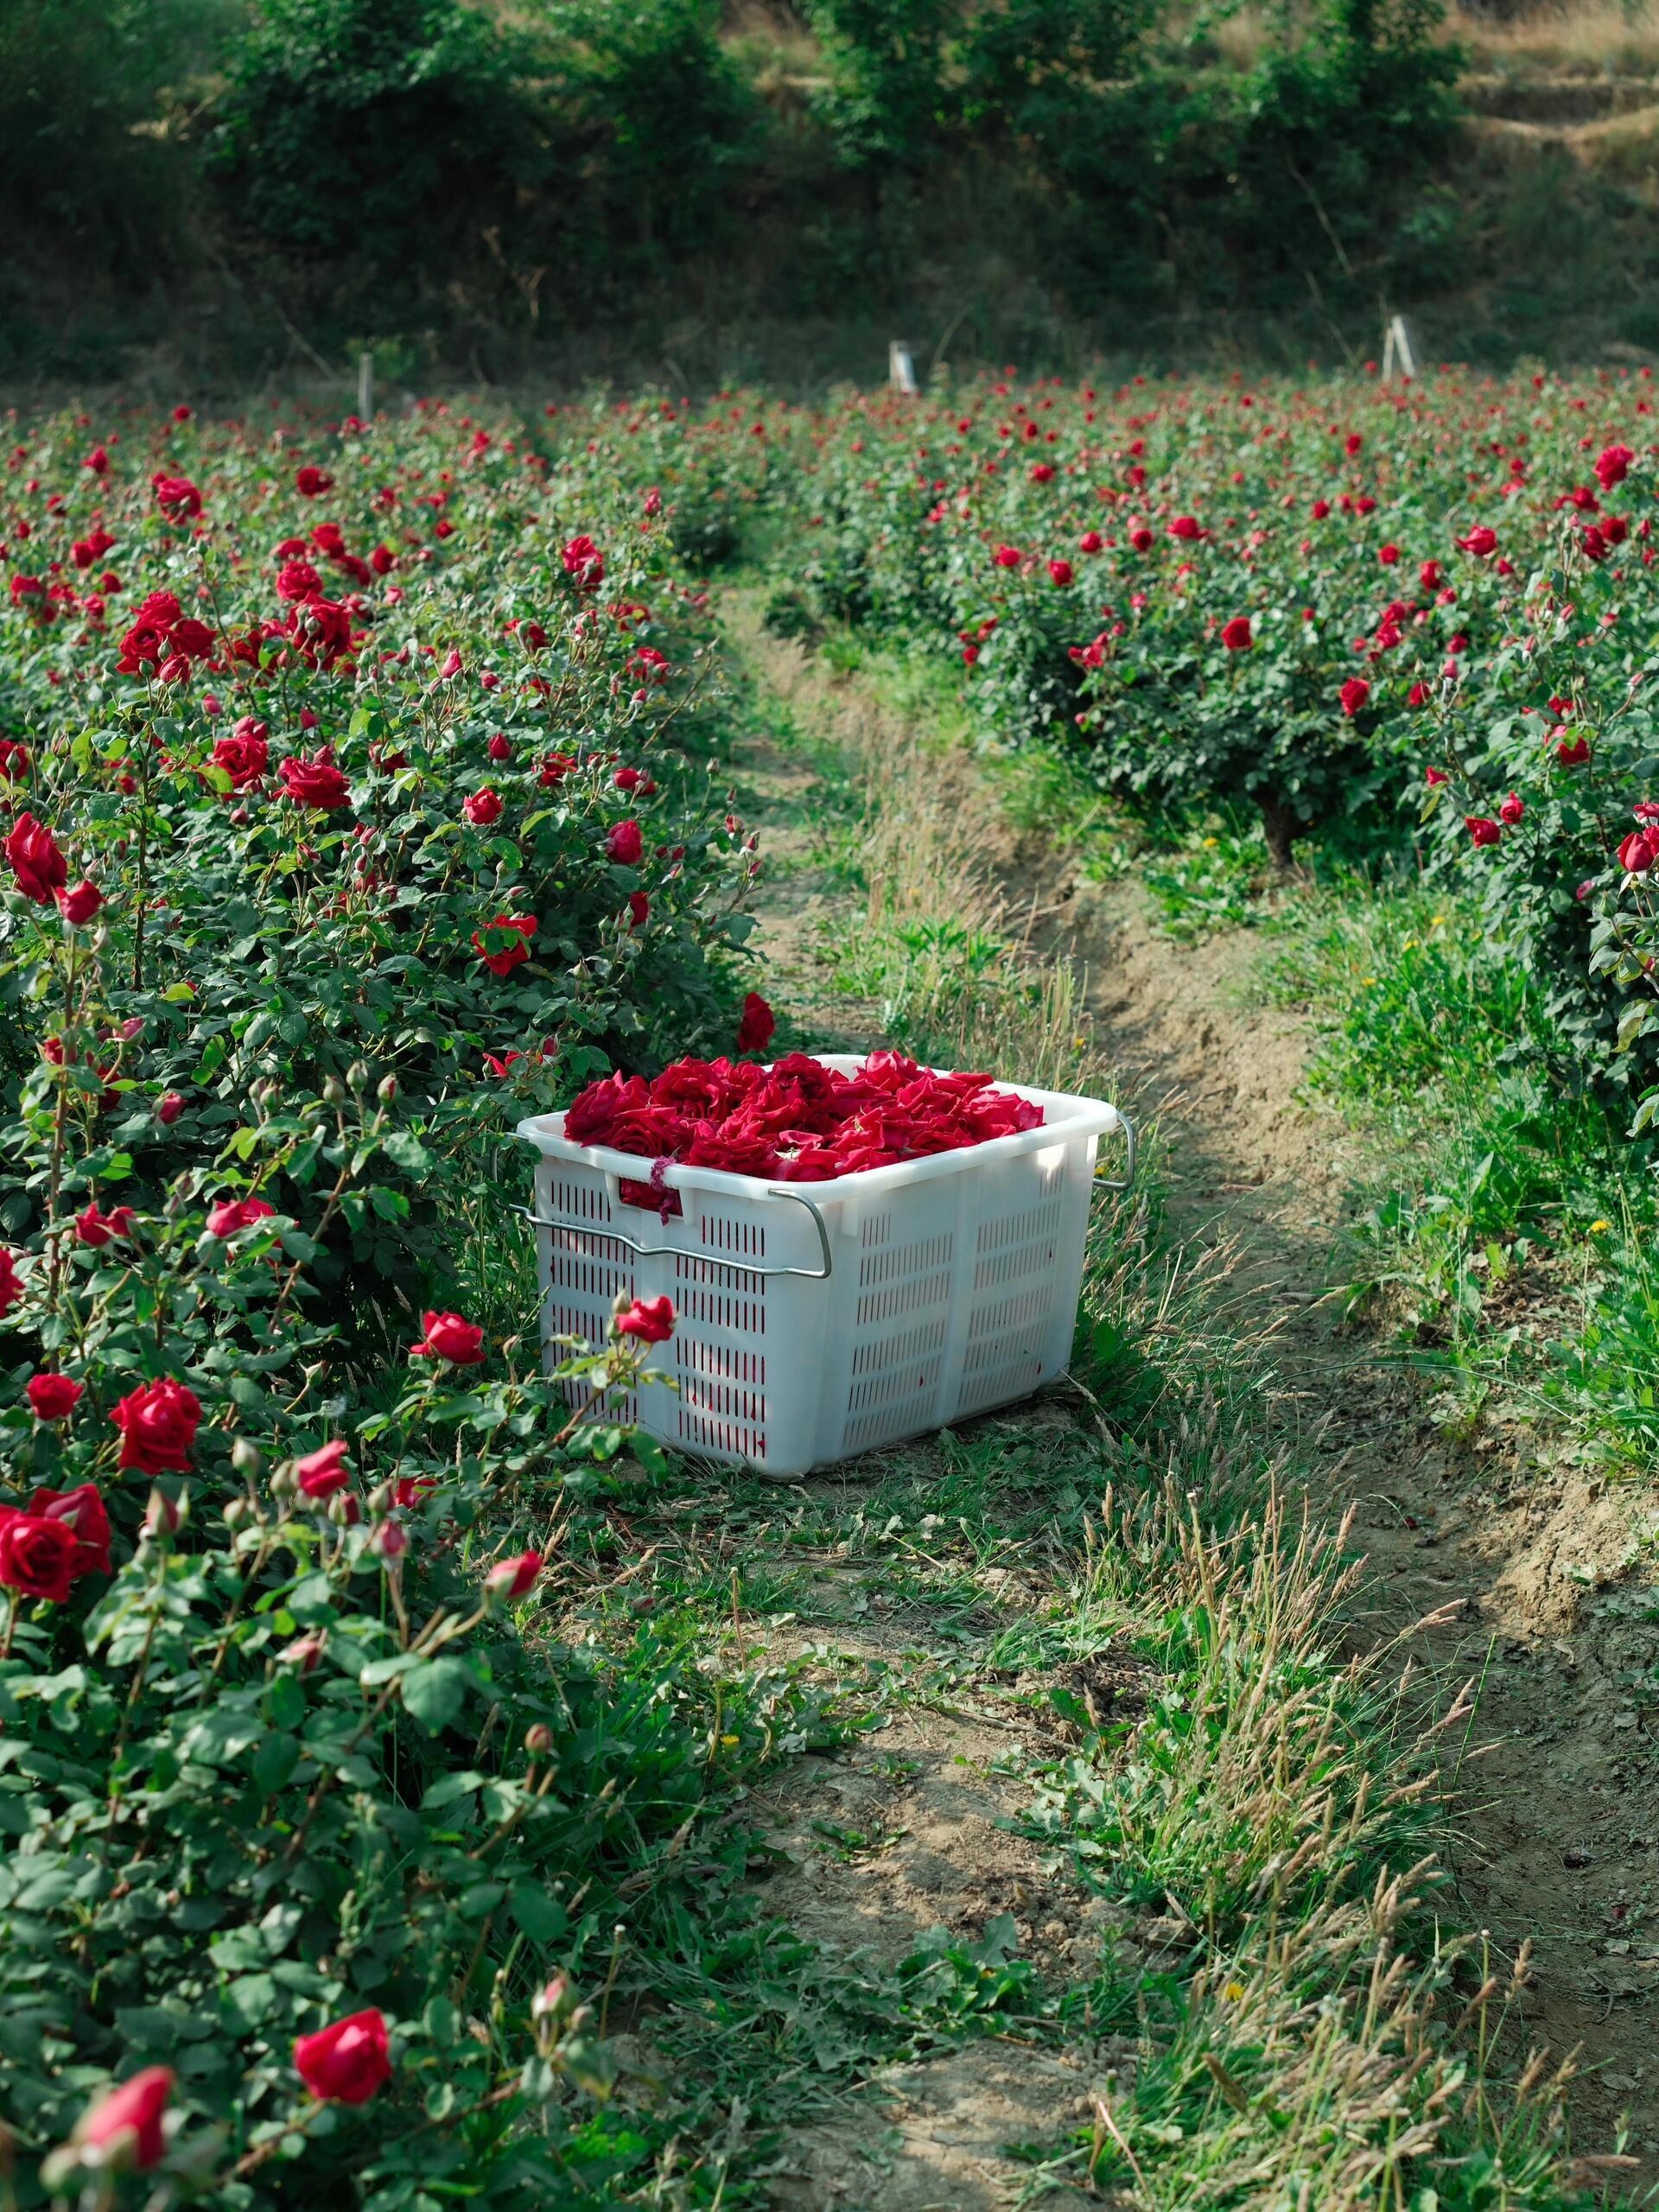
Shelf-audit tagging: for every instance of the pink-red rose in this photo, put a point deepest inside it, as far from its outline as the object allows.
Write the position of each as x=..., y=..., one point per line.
x=651, y=1319
x=448, y=1336
x=230, y=1214
x=158, y=1423
x=504, y=941
x=126, y=2127
x=345, y=2064
x=511, y=1578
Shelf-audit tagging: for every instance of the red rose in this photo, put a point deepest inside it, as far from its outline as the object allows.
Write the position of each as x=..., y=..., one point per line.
x=13, y=761
x=322, y=1473
x=40, y=868
x=1480, y=541
x=511, y=1578
x=1387, y=555
x=1635, y=853
x=37, y=1555
x=344, y=2064
x=482, y=808
x=230, y=1214
x=583, y=563
x=81, y=1512
x=624, y=842
x=651, y=1319
x=754, y=1030
x=125, y=2126
x=158, y=1423
x=1354, y=692
x=1429, y=576
x=177, y=497
x=511, y=933
x=1090, y=541
x=1513, y=809
x=448, y=1336
x=1187, y=527
x=1235, y=635
x=314, y=783
x=77, y=906
x=99, y=1229
x=1482, y=831
x=1006, y=556
x=244, y=755
x=310, y=482
x=499, y=747
x=1060, y=571
x=54, y=1397
x=11, y=1283
x=1614, y=466
x=639, y=910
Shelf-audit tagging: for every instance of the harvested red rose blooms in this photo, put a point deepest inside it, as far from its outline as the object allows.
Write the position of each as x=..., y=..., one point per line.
x=126, y=2127
x=32, y=853
x=54, y=1397
x=37, y=1556
x=795, y=1121
x=158, y=1423
x=81, y=1512
x=346, y=2062
x=448, y=1336
x=315, y=782
x=504, y=941
x=511, y=1578
x=651, y=1319
x=754, y=1030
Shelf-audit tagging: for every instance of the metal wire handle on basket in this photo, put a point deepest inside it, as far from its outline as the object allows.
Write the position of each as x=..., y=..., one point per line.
x=679, y=1252
x=1121, y=1182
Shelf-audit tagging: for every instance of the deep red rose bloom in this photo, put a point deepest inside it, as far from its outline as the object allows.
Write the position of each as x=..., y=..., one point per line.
x=37, y=1556
x=96, y=1227
x=1480, y=541
x=503, y=955
x=583, y=563
x=624, y=843
x=1481, y=830
x=244, y=757
x=310, y=482
x=1354, y=692
x=448, y=1336
x=1187, y=527
x=315, y=782
x=81, y=1511
x=651, y=1319
x=344, y=2064
x=230, y=1214
x=1614, y=466
x=40, y=868
x=482, y=808
x=11, y=1283
x=125, y=2126
x=54, y=1397
x=1060, y=571
x=754, y=1030
x=177, y=497
x=158, y=1423
x=1236, y=634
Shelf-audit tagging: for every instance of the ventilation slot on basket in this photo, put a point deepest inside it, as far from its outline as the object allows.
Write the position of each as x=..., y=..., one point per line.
x=903, y=1278
x=716, y=1297
x=894, y=1381
x=699, y=1431
x=722, y=1232
x=581, y=1201
x=990, y=1375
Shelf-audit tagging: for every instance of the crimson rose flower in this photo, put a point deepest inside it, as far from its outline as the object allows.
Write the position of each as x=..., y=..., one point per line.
x=244, y=756
x=755, y=1029
x=158, y=1423
x=40, y=868
x=37, y=1556
x=1354, y=692
x=651, y=1319
x=322, y=1473
x=511, y=1578
x=11, y=1283
x=510, y=950
x=314, y=783
x=230, y=1214
x=81, y=1512
x=1236, y=634
x=310, y=482
x=77, y=906
x=625, y=843
x=54, y=1397
x=482, y=808
x=344, y=2064
x=446, y=1336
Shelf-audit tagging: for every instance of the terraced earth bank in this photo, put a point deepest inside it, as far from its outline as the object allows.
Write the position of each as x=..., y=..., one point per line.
x=1497, y=1573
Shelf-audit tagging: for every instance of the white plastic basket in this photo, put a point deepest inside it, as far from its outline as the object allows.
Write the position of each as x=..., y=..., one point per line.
x=814, y=1321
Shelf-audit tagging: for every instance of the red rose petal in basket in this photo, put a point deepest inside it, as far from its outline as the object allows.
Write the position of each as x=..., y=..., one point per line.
x=797, y=1121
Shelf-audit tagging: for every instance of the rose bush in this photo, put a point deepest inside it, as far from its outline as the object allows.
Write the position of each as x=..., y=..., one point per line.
x=316, y=1824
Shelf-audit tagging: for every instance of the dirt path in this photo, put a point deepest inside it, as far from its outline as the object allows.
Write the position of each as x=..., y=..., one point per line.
x=1556, y=1836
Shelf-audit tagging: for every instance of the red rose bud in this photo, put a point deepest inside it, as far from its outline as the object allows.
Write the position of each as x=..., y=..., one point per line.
x=498, y=748
x=232, y=1215
x=323, y=1472
x=651, y=1319
x=54, y=1397
x=754, y=1030
x=388, y=1540
x=1236, y=634
x=1512, y=811
x=169, y=1108
x=511, y=1578
x=1635, y=853
x=165, y=1516
x=304, y=1654
x=125, y=2129
x=448, y=1336
x=97, y=1229
x=77, y=906
x=158, y=1423
x=344, y=2064
x=1481, y=831
x=1433, y=776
